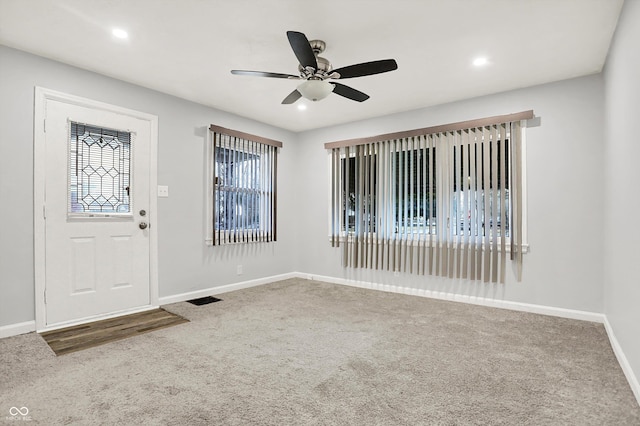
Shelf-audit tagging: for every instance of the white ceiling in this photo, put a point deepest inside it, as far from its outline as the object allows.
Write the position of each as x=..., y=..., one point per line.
x=187, y=47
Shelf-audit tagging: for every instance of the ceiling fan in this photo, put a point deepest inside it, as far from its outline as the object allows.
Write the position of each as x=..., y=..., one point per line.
x=315, y=70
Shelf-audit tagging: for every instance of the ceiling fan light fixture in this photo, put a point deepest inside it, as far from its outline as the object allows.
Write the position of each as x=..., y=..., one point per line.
x=315, y=90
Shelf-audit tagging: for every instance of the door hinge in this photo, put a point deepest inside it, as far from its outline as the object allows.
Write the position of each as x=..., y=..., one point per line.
x=44, y=212
x=45, y=296
x=44, y=125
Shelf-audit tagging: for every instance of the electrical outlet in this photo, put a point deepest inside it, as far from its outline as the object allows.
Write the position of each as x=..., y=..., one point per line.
x=163, y=191
x=239, y=269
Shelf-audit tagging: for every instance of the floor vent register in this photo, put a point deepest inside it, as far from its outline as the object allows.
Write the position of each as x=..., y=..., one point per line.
x=204, y=300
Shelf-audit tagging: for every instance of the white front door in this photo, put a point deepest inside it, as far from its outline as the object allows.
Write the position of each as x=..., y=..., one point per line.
x=97, y=212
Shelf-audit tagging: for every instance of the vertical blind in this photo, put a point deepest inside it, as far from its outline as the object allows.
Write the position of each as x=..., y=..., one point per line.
x=244, y=187
x=438, y=201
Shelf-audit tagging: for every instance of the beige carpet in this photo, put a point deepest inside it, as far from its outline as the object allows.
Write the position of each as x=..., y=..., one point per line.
x=307, y=353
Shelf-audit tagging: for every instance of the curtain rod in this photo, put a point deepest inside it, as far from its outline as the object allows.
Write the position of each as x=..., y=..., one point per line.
x=243, y=135
x=451, y=127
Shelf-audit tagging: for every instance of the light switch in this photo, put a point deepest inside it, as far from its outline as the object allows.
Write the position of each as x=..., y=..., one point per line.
x=163, y=191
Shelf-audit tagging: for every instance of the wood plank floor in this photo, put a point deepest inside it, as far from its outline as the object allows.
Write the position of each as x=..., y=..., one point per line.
x=83, y=336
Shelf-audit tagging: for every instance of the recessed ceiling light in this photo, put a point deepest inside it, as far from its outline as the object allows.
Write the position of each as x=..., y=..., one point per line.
x=480, y=61
x=119, y=33
x=302, y=107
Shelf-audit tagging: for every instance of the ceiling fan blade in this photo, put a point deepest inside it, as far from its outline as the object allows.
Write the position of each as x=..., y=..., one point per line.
x=293, y=96
x=265, y=74
x=302, y=49
x=349, y=92
x=367, y=68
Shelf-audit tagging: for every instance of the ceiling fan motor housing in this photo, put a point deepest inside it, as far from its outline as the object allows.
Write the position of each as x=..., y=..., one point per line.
x=317, y=46
x=324, y=66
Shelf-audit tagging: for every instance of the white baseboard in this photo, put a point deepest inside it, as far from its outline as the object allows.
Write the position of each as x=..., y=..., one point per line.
x=516, y=306
x=19, y=328
x=224, y=289
x=29, y=326
x=503, y=304
x=623, y=361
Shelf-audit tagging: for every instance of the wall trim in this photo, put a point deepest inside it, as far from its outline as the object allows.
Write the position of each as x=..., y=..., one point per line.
x=225, y=288
x=29, y=326
x=18, y=328
x=623, y=361
x=26, y=327
x=503, y=304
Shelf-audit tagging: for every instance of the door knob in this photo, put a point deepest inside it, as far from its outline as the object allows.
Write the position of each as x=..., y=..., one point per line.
x=143, y=225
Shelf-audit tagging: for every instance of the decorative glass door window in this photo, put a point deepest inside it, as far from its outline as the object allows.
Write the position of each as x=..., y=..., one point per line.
x=99, y=170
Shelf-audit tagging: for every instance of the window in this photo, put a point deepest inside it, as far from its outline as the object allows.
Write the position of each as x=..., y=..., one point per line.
x=237, y=183
x=447, y=202
x=99, y=170
x=242, y=188
x=357, y=171
x=414, y=191
x=471, y=199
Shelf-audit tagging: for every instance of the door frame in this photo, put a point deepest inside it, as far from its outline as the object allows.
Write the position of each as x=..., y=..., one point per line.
x=42, y=95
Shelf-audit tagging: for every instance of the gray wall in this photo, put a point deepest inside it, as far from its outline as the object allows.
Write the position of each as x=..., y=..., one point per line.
x=185, y=263
x=565, y=179
x=564, y=266
x=622, y=176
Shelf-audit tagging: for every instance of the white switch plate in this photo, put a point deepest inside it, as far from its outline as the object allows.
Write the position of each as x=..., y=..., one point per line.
x=163, y=191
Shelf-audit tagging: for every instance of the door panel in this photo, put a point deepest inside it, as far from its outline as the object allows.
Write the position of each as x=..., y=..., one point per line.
x=97, y=263
x=82, y=253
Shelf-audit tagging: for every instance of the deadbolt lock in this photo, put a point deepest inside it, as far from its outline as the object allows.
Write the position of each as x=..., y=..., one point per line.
x=143, y=212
